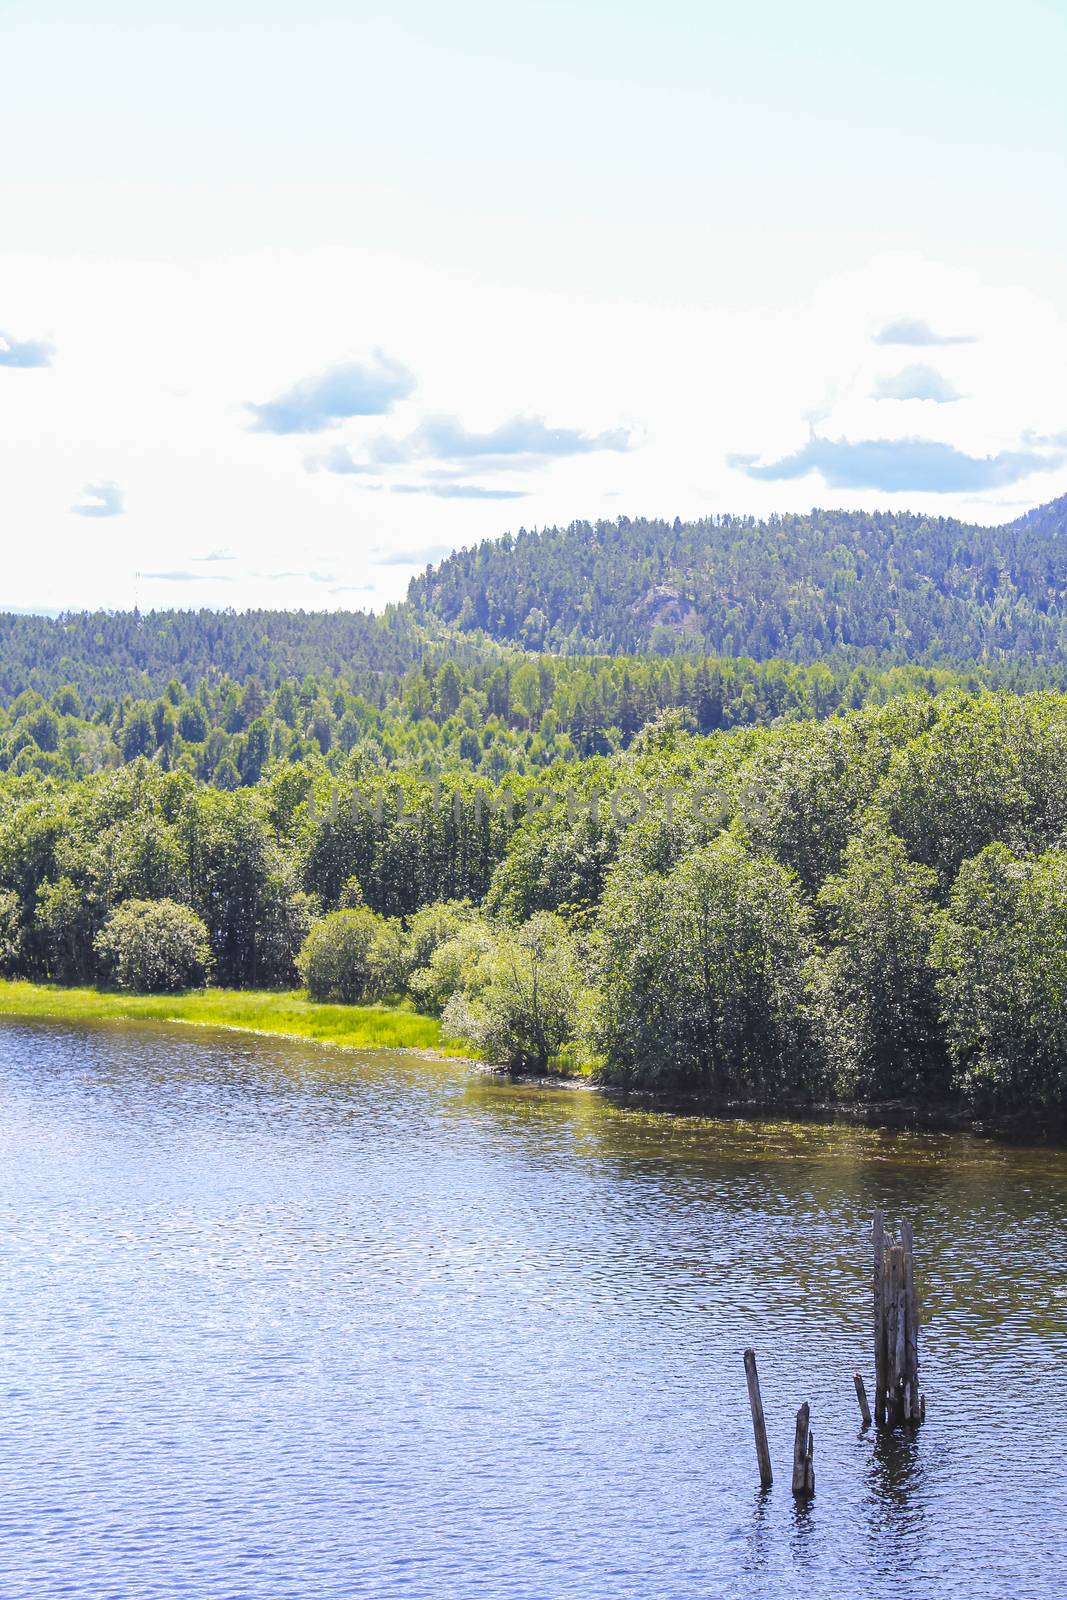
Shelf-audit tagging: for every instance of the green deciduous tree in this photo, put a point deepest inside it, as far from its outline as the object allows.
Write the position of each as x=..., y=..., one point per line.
x=880, y=1009
x=705, y=977
x=10, y=933
x=242, y=883
x=988, y=768
x=1001, y=954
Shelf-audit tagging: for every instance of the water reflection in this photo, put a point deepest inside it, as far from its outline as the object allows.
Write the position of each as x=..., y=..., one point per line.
x=895, y=1472
x=760, y=1537
x=803, y=1536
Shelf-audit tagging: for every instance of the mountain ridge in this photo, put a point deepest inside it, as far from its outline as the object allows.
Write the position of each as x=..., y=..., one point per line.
x=906, y=585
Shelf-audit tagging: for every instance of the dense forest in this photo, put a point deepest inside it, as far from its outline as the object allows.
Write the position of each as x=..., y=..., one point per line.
x=870, y=905
x=910, y=588
x=508, y=713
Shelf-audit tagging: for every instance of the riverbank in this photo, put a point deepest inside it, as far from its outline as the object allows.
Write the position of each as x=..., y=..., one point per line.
x=289, y=1013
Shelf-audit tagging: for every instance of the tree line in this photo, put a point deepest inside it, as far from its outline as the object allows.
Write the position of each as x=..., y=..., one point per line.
x=109, y=654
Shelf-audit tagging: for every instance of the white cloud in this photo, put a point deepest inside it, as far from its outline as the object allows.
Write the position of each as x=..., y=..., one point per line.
x=25, y=352
x=917, y=331
x=916, y=382
x=902, y=466
x=100, y=500
x=350, y=389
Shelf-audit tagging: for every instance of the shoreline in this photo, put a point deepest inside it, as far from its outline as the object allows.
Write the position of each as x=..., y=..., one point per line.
x=289, y=1014
x=286, y=1014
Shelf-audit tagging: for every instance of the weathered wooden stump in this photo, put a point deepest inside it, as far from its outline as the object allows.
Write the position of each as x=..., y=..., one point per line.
x=803, y=1455
x=896, y=1330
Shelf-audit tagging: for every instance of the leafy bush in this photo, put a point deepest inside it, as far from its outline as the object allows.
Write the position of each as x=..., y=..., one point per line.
x=389, y=959
x=350, y=956
x=524, y=1009
x=430, y=928
x=155, y=947
x=459, y=965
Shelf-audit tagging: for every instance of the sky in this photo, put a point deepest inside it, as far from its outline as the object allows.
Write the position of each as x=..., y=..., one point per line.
x=295, y=299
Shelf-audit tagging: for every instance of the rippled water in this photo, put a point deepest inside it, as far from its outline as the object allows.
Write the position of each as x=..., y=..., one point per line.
x=283, y=1322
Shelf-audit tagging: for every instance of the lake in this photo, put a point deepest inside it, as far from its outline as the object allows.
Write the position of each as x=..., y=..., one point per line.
x=282, y=1321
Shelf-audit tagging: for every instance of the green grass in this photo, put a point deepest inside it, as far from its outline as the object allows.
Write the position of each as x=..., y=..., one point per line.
x=252, y=1010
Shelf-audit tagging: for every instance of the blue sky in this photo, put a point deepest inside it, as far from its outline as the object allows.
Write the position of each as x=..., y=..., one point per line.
x=322, y=292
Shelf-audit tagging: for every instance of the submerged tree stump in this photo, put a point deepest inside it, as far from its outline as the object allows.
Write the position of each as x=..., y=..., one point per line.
x=803, y=1455
x=896, y=1330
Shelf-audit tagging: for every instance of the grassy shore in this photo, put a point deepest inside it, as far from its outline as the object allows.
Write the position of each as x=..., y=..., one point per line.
x=290, y=1013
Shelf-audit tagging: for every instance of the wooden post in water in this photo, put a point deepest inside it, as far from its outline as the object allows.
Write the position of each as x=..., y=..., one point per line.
x=803, y=1455
x=896, y=1330
x=861, y=1396
x=759, y=1426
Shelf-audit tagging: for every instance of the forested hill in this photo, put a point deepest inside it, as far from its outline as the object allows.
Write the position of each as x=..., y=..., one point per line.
x=898, y=588
x=910, y=587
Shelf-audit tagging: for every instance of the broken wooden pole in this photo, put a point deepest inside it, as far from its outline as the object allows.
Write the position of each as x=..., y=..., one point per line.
x=759, y=1426
x=897, y=1335
x=803, y=1455
x=861, y=1396
x=896, y=1329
